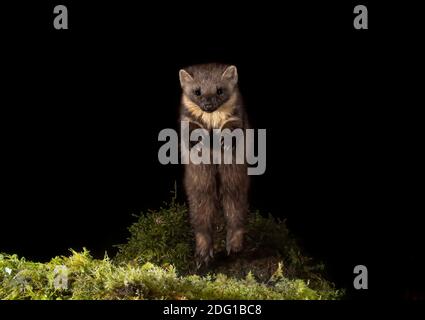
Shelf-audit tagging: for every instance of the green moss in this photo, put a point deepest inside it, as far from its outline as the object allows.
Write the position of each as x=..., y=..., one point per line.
x=162, y=236
x=90, y=278
x=157, y=263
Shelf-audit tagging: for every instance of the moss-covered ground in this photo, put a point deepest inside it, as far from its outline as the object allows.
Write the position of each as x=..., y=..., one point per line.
x=157, y=263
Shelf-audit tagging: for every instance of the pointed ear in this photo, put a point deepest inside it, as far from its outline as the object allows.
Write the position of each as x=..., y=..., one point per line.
x=230, y=74
x=185, y=77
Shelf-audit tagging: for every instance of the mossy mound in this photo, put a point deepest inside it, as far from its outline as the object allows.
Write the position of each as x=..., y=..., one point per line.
x=164, y=237
x=157, y=263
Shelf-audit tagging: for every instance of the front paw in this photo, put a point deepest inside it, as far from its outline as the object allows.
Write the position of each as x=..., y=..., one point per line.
x=197, y=145
x=224, y=143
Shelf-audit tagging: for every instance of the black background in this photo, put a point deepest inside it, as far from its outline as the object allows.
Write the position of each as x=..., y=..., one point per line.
x=82, y=109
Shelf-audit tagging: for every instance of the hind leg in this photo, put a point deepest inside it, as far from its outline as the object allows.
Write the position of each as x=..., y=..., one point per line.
x=201, y=191
x=234, y=184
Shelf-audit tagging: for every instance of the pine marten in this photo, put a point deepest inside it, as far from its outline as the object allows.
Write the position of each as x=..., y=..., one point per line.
x=211, y=100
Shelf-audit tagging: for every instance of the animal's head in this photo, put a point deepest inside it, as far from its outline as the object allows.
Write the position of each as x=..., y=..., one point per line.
x=209, y=86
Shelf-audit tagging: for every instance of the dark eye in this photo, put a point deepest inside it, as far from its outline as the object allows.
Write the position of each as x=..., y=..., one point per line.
x=197, y=92
x=219, y=91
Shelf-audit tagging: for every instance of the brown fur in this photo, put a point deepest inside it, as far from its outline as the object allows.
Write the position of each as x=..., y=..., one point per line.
x=211, y=120
x=213, y=189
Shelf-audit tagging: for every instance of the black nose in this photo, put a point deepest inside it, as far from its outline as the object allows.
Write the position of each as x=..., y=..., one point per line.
x=208, y=106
